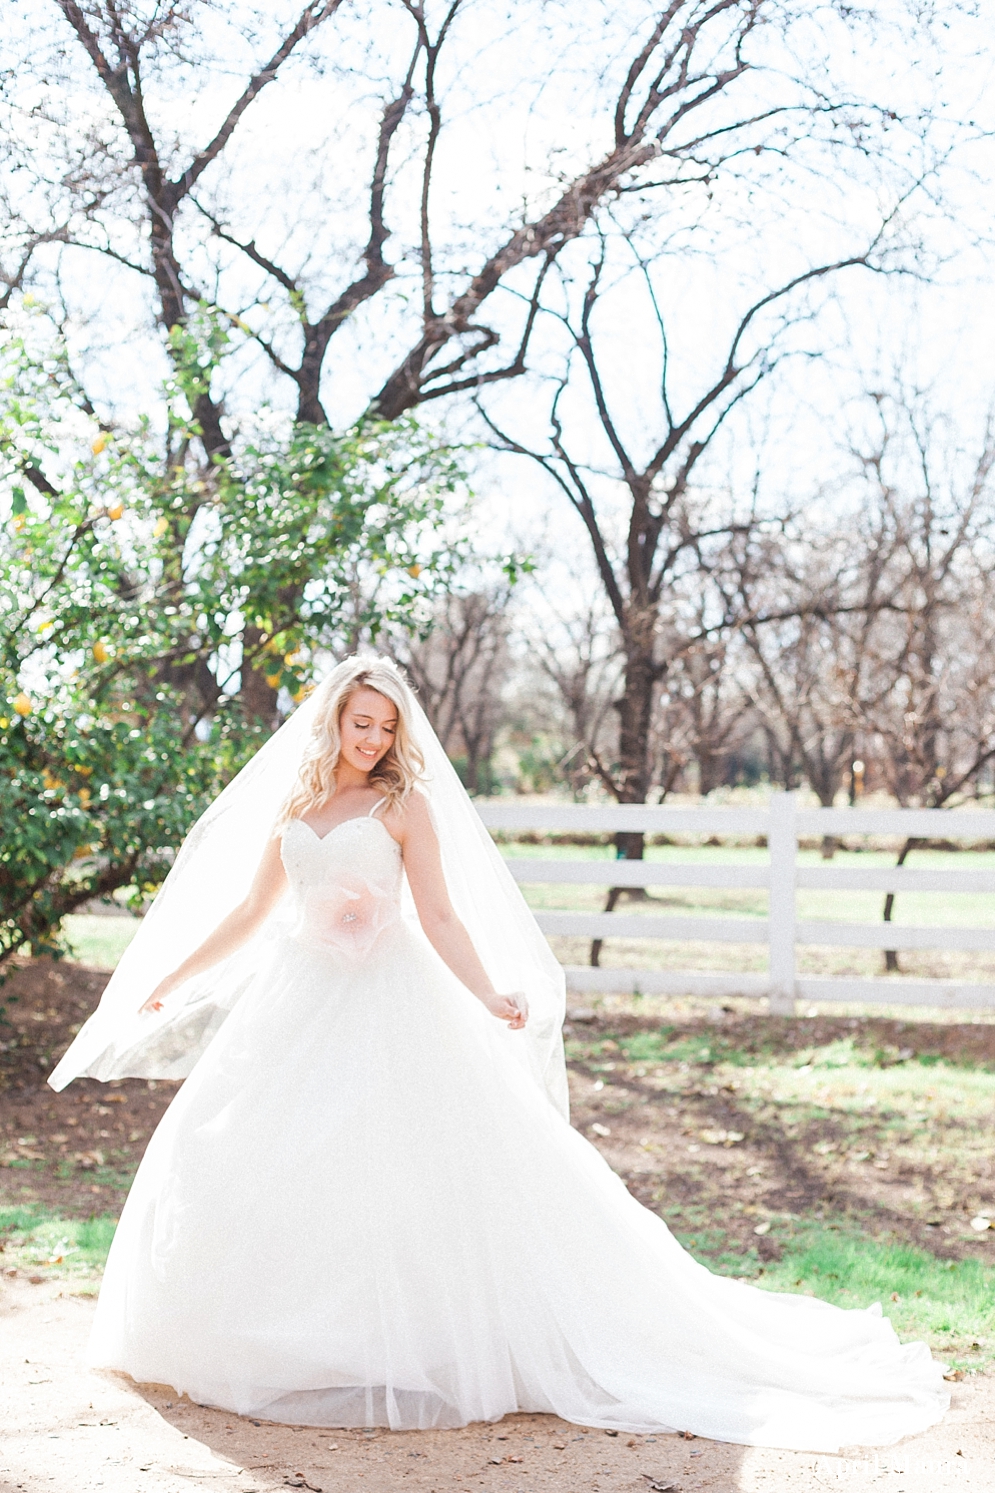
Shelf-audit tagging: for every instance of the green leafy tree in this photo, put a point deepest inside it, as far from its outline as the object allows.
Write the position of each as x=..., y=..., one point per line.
x=156, y=613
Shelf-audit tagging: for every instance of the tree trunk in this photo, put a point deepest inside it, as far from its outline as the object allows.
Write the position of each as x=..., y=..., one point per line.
x=635, y=709
x=258, y=697
x=891, y=955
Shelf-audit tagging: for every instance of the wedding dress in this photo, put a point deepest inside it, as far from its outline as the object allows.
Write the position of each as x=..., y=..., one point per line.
x=363, y=1209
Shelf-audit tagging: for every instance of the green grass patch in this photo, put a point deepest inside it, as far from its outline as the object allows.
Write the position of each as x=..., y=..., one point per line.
x=949, y=1304
x=39, y=1241
x=99, y=941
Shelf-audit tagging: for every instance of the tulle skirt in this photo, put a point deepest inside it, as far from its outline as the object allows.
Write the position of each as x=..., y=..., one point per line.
x=361, y=1210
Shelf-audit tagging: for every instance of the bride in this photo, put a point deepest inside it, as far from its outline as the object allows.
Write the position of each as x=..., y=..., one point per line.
x=366, y=1205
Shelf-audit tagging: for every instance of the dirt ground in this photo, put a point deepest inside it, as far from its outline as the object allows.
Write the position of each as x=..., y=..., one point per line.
x=69, y=1431
x=77, y=1151
x=64, y=1429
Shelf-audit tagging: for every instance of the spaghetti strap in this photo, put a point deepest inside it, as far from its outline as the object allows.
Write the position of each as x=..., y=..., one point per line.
x=376, y=806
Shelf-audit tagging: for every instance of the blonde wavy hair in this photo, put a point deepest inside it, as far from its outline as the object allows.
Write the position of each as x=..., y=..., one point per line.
x=398, y=770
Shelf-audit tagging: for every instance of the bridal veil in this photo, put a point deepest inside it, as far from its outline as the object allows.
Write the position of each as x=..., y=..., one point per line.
x=212, y=874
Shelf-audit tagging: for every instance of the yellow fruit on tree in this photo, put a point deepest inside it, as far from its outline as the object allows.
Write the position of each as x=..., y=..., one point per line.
x=414, y=570
x=161, y=527
x=273, y=680
x=99, y=444
x=100, y=653
x=22, y=704
x=117, y=511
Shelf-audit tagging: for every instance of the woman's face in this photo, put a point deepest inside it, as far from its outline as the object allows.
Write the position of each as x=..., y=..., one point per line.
x=367, y=727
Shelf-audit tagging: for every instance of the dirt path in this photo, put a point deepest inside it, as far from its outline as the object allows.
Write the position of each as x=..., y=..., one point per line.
x=64, y=1430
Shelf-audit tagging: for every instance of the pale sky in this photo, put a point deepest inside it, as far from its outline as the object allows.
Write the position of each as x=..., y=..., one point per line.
x=524, y=103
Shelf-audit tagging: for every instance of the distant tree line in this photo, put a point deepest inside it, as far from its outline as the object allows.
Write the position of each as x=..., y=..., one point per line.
x=848, y=647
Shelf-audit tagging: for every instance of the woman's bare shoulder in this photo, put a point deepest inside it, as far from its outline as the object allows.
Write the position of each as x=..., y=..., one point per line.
x=412, y=817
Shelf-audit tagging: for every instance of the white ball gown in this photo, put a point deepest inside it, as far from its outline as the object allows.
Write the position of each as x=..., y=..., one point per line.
x=361, y=1210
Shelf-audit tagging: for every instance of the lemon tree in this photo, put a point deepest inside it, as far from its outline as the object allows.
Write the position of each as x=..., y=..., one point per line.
x=158, y=611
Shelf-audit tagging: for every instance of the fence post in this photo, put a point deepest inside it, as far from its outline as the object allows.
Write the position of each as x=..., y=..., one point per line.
x=782, y=845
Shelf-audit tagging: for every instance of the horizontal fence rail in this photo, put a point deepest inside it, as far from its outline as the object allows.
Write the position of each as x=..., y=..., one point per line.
x=779, y=827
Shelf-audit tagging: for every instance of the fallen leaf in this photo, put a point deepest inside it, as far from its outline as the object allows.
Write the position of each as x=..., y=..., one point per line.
x=721, y=1137
x=763, y=1228
x=601, y=1130
x=860, y=1155
x=954, y=1376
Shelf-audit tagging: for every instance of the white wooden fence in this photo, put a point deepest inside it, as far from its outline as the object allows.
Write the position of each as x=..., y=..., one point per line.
x=782, y=823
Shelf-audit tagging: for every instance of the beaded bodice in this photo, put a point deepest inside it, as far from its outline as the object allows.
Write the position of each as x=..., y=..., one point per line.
x=346, y=884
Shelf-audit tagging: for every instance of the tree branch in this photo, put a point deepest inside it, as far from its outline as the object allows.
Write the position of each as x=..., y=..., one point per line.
x=310, y=18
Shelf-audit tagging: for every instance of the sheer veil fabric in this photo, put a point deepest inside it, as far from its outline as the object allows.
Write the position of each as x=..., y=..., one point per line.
x=212, y=874
x=367, y=1206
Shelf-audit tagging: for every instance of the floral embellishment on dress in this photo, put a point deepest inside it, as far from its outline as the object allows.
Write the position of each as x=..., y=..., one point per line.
x=349, y=915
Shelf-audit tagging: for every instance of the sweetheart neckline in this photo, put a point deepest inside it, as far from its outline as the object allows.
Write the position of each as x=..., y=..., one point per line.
x=353, y=819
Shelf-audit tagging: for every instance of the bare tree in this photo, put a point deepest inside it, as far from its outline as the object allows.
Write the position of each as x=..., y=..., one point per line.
x=695, y=99
x=927, y=710
x=459, y=668
x=669, y=529
x=573, y=645
x=810, y=604
x=679, y=101
x=704, y=716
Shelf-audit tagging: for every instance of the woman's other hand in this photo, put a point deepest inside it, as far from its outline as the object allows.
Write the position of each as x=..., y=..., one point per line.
x=514, y=1009
x=162, y=990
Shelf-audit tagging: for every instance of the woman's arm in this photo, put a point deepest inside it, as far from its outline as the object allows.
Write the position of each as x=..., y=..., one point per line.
x=232, y=932
x=423, y=864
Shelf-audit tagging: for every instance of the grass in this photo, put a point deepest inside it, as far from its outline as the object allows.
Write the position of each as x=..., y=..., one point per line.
x=849, y=1155
x=949, y=1304
x=39, y=1242
x=948, y=909
x=99, y=941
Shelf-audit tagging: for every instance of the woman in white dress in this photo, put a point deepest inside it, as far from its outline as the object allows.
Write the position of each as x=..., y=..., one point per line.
x=366, y=1205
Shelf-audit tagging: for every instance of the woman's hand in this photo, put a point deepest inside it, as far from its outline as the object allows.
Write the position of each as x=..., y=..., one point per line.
x=162, y=990
x=514, y=1008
